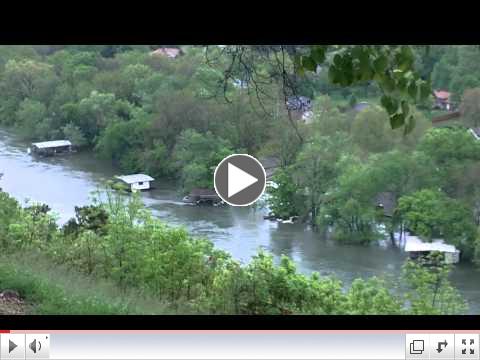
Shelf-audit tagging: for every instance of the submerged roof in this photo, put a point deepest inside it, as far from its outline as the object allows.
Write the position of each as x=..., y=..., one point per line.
x=52, y=144
x=414, y=244
x=203, y=192
x=135, y=178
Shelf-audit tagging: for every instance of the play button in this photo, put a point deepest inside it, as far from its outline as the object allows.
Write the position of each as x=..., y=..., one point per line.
x=239, y=179
x=11, y=346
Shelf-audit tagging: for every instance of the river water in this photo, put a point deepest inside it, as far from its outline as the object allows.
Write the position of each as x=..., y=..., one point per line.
x=65, y=181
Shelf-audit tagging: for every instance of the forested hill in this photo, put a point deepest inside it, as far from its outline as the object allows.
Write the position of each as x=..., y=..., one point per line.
x=144, y=109
x=177, y=111
x=350, y=165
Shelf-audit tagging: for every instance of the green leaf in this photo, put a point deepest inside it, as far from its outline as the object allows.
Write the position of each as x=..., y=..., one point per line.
x=380, y=64
x=425, y=90
x=397, y=120
x=389, y=103
x=318, y=54
x=388, y=83
x=337, y=60
x=413, y=90
x=333, y=74
x=308, y=63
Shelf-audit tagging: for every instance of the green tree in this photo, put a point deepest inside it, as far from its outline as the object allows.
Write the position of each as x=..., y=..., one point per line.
x=30, y=115
x=197, y=155
x=74, y=134
x=316, y=170
x=431, y=214
x=470, y=107
x=429, y=289
x=371, y=132
x=285, y=199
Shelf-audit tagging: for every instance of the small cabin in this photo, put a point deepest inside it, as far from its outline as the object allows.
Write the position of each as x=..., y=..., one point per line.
x=50, y=148
x=442, y=100
x=136, y=182
x=416, y=248
x=202, y=196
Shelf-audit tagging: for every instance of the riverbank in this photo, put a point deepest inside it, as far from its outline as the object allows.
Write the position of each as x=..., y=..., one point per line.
x=66, y=182
x=39, y=287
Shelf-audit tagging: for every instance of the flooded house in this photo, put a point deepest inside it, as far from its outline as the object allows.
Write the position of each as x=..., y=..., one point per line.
x=270, y=164
x=442, y=100
x=136, y=182
x=415, y=247
x=200, y=196
x=50, y=148
x=386, y=202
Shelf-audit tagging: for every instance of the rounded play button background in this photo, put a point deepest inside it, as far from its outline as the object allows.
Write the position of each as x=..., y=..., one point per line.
x=239, y=179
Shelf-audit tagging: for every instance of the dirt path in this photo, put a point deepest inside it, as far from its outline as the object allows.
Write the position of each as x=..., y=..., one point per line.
x=11, y=303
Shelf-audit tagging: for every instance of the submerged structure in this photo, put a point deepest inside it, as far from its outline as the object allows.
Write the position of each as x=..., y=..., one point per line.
x=200, y=196
x=50, y=148
x=416, y=247
x=136, y=182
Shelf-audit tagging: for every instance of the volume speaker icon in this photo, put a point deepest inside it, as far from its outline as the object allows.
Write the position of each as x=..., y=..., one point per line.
x=35, y=346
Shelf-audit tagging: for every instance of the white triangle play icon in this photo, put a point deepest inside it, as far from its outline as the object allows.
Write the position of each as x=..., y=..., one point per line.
x=238, y=180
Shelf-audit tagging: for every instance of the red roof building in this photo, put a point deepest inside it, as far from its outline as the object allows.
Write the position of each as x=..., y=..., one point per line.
x=442, y=95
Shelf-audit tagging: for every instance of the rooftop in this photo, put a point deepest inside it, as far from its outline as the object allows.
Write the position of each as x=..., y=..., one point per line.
x=135, y=178
x=415, y=244
x=387, y=201
x=52, y=144
x=441, y=94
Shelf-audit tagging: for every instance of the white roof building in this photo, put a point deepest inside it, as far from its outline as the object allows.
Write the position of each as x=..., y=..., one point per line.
x=52, y=144
x=137, y=181
x=413, y=244
x=135, y=178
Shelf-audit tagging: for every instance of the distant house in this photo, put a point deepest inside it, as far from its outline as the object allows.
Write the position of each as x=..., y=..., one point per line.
x=136, y=181
x=270, y=164
x=168, y=52
x=199, y=196
x=387, y=202
x=48, y=148
x=300, y=107
x=416, y=247
x=442, y=100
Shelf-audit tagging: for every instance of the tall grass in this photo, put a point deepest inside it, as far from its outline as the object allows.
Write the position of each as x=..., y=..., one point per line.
x=52, y=289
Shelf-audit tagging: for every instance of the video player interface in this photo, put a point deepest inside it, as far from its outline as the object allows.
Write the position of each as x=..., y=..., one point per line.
x=236, y=345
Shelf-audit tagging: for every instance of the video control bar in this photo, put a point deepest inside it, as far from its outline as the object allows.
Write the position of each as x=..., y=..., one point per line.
x=238, y=345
